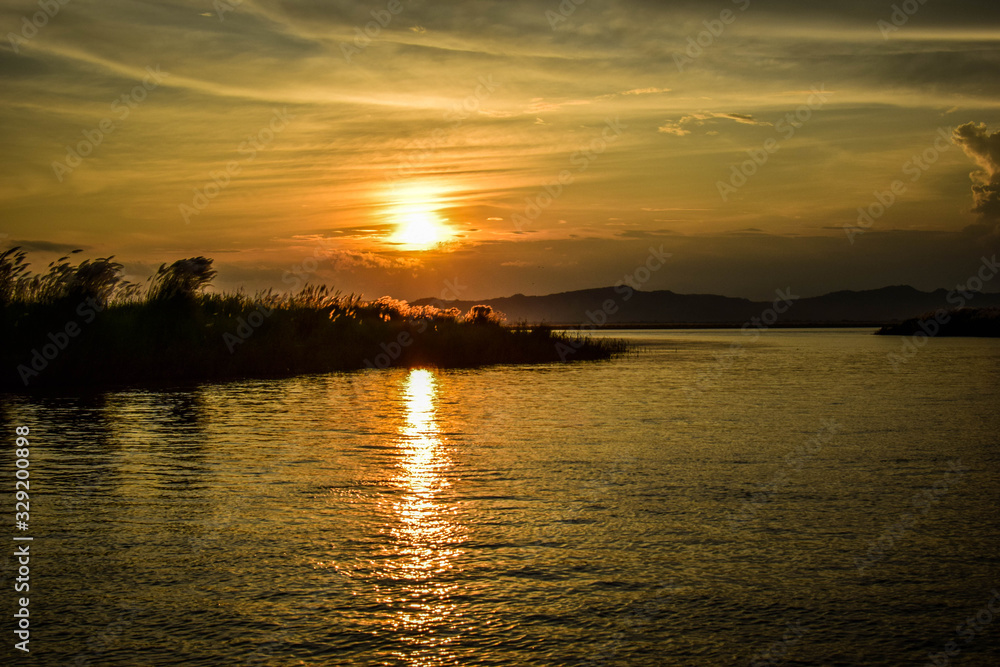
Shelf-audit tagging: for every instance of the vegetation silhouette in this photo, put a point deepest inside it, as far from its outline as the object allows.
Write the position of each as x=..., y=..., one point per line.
x=970, y=322
x=84, y=325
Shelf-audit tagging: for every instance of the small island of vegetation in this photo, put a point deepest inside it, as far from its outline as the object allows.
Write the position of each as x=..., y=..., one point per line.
x=84, y=325
x=971, y=322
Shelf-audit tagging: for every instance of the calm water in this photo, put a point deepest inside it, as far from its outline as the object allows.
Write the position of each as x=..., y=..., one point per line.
x=694, y=504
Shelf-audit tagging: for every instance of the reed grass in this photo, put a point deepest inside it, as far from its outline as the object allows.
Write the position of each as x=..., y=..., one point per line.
x=83, y=324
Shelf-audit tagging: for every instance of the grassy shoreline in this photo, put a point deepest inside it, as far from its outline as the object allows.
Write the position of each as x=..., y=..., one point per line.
x=82, y=326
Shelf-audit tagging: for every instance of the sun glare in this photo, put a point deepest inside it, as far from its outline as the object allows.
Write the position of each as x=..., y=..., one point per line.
x=419, y=230
x=418, y=225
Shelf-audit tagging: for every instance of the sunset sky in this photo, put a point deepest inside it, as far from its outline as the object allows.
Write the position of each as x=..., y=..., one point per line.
x=411, y=162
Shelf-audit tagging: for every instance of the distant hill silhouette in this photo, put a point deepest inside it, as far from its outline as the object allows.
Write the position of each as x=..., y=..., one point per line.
x=868, y=307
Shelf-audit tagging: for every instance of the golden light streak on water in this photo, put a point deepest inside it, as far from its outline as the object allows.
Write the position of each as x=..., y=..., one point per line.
x=424, y=535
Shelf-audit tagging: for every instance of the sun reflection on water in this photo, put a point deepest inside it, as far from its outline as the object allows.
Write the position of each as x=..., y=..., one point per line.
x=424, y=537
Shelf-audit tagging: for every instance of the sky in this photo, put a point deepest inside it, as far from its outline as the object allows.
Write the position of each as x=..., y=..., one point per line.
x=484, y=148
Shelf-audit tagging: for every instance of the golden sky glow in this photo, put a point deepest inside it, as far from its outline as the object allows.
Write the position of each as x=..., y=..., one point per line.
x=498, y=145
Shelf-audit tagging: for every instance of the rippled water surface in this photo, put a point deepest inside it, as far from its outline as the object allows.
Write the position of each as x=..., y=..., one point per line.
x=711, y=500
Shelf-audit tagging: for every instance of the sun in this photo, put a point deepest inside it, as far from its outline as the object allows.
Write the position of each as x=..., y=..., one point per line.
x=420, y=230
x=418, y=226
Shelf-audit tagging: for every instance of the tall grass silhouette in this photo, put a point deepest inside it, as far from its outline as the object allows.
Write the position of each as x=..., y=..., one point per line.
x=84, y=324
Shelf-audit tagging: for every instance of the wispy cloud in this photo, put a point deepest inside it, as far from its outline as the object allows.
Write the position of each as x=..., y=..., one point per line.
x=683, y=126
x=645, y=91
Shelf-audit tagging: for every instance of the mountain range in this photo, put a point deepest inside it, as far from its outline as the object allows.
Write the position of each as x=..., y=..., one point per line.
x=622, y=305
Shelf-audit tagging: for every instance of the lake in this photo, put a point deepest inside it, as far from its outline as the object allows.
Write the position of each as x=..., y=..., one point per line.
x=711, y=499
